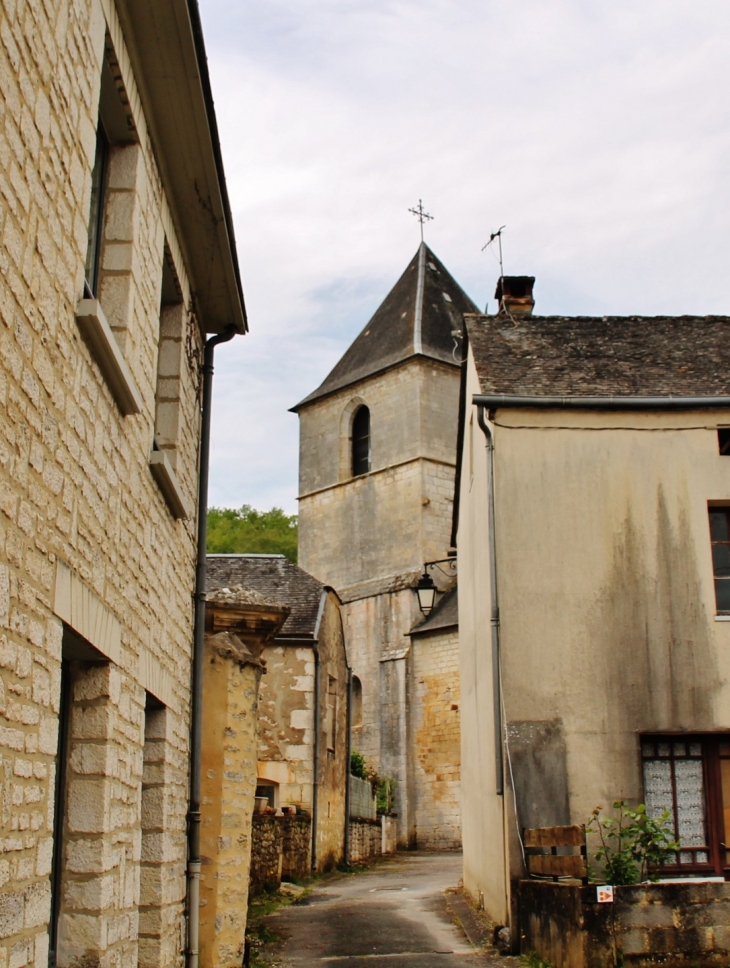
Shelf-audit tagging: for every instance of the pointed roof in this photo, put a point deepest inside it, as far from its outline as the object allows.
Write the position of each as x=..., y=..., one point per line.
x=416, y=318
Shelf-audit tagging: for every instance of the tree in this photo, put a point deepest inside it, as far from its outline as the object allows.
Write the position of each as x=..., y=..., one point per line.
x=248, y=531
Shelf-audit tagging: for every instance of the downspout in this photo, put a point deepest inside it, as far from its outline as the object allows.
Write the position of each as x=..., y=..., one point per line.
x=347, y=766
x=494, y=620
x=317, y=704
x=196, y=724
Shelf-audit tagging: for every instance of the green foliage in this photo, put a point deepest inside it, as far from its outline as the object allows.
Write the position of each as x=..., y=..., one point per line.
x=386, y=795
x=358, y=766
x=248, y=531
x=633, y=844
x=533, y=960
x=383, y=787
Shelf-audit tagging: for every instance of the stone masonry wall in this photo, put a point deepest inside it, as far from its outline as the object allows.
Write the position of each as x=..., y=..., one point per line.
x=230, y=700
x=281, y=847
x=435, y=696
x=87, y=541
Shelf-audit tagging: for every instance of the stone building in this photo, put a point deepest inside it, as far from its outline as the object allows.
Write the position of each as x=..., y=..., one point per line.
x=240, y=623
x=117, y=258
x=434, y=721
x=593, y=536
x=376, y=486
x=303, y=698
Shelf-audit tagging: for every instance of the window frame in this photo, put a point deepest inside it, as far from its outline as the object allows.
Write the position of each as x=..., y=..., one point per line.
x=718, y=863
x=714, y=543
x=359, y=464
x=97, y=213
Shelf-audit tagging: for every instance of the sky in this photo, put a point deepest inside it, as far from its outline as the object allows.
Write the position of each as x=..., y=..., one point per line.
x=598, y=133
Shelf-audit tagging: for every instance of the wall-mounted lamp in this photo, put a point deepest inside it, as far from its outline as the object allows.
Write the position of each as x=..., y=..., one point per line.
x=426, y=589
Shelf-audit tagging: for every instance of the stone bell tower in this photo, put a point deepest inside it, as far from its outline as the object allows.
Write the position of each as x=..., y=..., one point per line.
x=376, y=489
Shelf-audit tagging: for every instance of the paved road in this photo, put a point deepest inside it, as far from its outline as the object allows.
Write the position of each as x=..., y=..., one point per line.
x=394, y=916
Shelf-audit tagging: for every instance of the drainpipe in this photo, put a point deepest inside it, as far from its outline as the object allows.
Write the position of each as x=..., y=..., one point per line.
x=196, y=724
x=317, y=705
x=494, y=620
x=347, y=766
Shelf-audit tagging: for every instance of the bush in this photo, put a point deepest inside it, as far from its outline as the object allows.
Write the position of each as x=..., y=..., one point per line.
x=633, y=844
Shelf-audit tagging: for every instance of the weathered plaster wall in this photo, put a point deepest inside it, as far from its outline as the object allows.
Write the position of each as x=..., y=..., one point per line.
x=230, y=700
x=619, y=639
x=435, y=696
x=86, y=537
x=286, y=722
x=482, y=811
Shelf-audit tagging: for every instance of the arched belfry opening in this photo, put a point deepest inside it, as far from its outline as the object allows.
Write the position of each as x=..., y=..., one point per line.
x=361, y=441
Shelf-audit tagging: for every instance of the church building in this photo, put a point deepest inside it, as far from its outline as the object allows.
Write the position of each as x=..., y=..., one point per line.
x=376, y=487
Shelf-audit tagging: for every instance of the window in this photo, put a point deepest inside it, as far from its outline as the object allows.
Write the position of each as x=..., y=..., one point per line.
x=689, y=776
x=723, y=440
x=720, y=539
x=269, y=790
x=99, y=175
x=330, y=721
x=356, y=710
x=361, y=442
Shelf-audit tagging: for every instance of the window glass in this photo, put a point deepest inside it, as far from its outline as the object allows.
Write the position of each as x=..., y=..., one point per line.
x=720, y=538
x=674, y=782
x=361, y=442
x=96, y=213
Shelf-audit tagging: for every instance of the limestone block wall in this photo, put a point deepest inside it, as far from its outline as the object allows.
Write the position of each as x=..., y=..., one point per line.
x=280, y=848
x=390, y=520
x=435, y=697
x=230, y=700
x=88, y=546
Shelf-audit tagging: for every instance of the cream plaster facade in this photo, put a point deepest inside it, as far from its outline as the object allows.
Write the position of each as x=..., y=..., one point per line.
x=89, y=545
x=608, y=624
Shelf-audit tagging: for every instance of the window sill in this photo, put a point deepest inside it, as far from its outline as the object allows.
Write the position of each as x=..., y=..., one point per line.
x=722, y=618
x=98, y=334
x=169, y=485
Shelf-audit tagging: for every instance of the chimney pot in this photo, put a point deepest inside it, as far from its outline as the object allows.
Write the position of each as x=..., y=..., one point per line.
x=514, y=295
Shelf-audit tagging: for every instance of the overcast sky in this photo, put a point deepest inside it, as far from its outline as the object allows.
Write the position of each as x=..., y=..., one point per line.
x=597, y=132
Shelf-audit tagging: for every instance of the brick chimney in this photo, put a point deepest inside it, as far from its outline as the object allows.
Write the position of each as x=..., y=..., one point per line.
x=514, y=295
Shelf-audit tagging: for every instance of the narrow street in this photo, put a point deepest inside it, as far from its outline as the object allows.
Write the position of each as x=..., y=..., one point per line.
x=394, y=915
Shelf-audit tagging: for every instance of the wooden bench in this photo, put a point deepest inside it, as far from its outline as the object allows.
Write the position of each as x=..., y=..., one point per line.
x=557, y=865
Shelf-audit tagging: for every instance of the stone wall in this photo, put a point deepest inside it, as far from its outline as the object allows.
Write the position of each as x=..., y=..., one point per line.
x=230, y=694
x=88, y=546
x=280, y=847
x=372, y=838
x=435, y=696
x=672, y=924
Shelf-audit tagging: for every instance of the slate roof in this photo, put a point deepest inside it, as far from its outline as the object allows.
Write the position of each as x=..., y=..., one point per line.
x=278, y=580
x=444, y=616
x=603, y=355
x=416, y=318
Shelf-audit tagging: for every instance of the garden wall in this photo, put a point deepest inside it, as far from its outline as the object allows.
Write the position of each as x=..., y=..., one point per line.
x=372, y=838
x=280, y=847
x=668, y=924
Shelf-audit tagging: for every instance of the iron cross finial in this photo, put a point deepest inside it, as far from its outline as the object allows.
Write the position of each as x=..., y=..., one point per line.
x=422, y=215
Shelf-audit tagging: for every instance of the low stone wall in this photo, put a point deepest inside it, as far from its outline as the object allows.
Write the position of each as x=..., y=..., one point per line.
x=372, y=838
x=676, y=925
x=280, y=847
x=296, y=846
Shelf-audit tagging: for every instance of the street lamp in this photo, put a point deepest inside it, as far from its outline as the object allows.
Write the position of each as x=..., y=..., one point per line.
x=426, y=591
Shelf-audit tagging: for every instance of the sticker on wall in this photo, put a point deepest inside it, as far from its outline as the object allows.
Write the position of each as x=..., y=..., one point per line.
x=604, y=892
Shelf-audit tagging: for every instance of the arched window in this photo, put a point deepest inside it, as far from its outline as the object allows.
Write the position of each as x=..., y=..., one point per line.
x=361, y=442
x=356, y=710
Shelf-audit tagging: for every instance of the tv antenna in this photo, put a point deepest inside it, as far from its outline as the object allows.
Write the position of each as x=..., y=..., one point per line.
x=422, y=215
x=498, y=236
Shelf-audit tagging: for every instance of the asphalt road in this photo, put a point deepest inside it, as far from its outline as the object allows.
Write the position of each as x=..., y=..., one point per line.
x=393, y=916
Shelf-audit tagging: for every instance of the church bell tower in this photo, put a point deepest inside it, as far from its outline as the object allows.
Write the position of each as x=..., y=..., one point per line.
x=376, y=488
